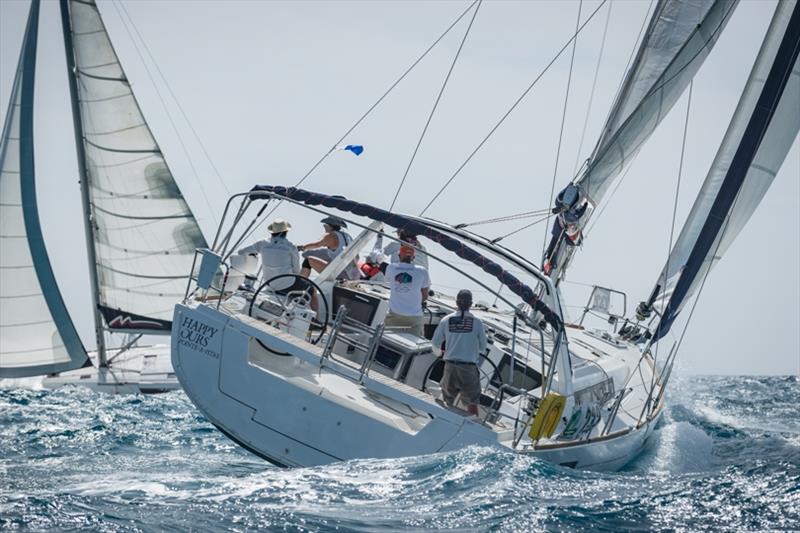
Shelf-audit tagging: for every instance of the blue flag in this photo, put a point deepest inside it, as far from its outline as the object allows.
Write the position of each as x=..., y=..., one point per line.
x=355, y=148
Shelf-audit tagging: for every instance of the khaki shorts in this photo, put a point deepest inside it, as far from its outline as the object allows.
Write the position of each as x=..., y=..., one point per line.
x=463, y=378
x=411, y=324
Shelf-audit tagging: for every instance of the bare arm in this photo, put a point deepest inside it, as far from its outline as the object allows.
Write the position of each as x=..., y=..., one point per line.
x=329, y=240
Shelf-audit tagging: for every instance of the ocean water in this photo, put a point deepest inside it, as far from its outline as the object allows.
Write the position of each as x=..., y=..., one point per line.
x=726, y=457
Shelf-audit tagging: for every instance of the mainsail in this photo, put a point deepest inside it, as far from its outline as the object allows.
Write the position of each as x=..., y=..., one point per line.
x=679, y=37
x=759, y=136
x=142, y=234
x=36, y=332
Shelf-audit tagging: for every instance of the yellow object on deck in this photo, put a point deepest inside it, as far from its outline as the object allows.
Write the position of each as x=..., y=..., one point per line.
x=548, y=415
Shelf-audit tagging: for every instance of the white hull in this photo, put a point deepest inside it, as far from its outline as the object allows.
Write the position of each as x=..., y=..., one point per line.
x=271, y=396
x=138, y=370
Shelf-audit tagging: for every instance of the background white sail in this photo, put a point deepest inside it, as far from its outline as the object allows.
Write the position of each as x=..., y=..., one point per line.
x=761, y=132
x=679, y=37
x=143, y=231
x=36, y=333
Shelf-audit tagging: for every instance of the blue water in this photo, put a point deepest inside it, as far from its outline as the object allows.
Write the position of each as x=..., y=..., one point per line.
x=726, y=457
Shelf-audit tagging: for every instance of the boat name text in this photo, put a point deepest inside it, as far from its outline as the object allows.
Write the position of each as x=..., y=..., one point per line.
x=197, y=335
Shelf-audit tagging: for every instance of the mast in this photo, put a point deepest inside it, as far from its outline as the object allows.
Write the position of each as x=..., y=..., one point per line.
x=88, y=218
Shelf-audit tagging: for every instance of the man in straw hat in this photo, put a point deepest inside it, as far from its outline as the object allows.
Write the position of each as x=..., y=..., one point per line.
x=278, y=257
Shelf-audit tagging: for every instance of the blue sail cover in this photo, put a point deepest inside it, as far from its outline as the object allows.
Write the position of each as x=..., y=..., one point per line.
x=761, y=132
x=417, y=228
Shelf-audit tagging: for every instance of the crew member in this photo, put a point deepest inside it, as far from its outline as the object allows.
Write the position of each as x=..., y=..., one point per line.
x=460, y=337
x=278, y=257
x=568, y=210
x=318, y=254
x=409, y=285
x=393, y=248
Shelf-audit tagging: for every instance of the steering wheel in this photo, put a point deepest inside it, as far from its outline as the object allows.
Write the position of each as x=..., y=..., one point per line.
x=267, y=285
x=437, y=368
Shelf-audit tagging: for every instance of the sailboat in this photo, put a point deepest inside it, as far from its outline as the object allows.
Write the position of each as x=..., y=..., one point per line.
x=140, y=232
x=577, y=394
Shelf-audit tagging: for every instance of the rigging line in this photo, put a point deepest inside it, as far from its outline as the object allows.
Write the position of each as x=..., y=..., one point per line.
x=163, y=103
x=389, y=90
x=563, y=121
x=507, y=218
x=594, y=87
x=435, y=104
x=677, y=191
x=543, y=219
x=366, y=113
x=178, y=103
x=511, y=109
x=672, y=227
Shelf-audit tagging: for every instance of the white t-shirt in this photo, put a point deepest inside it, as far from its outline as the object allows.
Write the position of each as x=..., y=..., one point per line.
x=278, y=256
x=406, y=281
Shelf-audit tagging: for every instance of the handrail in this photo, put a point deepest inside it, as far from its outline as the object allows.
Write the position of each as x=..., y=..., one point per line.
x=614, y=409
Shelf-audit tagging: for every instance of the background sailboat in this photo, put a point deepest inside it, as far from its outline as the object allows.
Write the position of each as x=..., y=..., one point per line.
x=140, y=233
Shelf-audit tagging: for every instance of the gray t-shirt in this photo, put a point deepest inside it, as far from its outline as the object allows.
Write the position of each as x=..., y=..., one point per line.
x=464, y=337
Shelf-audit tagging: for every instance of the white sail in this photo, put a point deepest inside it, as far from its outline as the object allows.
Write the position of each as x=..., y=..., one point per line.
x=36, y=333
x=680, y=35
x=143, y=232
x=761, y=132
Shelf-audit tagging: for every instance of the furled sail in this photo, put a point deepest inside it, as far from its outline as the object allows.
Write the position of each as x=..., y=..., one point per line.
x=680, y=35
x=36, y=332
x=143, y=234
x=763, y=128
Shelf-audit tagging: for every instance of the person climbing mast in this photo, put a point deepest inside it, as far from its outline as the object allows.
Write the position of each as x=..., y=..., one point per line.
x=569, y=209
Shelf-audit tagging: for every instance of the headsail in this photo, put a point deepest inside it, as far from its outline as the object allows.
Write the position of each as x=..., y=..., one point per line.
x=36, y=332
x=759, y=136
x=143, y=233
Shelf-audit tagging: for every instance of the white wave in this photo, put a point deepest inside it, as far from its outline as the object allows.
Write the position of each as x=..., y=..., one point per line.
x=33, y=383
x=114, y=488
x=677, y=448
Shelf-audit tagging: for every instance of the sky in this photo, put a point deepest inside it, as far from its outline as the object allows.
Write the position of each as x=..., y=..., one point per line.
x=269, y=87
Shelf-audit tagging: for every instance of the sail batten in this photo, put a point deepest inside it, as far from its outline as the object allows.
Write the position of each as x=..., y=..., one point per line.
x=38, y=336
x=762, y=131
x=137, y=212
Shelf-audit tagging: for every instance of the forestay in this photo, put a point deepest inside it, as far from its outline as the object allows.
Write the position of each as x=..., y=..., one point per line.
x=143, y=232
x=36, y=333
x=680, y=35
x=762, y=131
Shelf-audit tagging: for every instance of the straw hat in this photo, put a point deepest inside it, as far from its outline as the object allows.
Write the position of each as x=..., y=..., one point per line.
x=279, y=226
